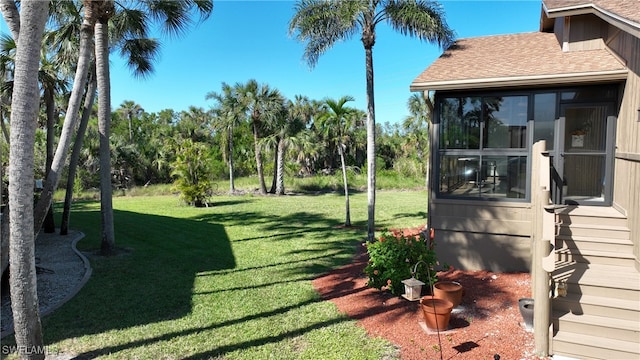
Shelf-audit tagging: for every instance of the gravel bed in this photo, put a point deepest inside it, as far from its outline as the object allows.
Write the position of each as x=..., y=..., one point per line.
x=61, y=272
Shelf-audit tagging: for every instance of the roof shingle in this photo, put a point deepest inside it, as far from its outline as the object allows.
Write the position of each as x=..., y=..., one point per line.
x=627, y=9
x=501, y=58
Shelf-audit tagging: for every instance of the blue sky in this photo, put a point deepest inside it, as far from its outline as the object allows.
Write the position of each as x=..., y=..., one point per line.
x=245, y=40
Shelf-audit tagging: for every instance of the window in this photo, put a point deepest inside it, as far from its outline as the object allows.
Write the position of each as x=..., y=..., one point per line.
x=483, y=143
x=505, y=122
x=460, y=119
x=544, y=116
x=484, y=140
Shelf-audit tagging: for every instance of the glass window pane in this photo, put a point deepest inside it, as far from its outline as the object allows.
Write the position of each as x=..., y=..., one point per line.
x=449, y=118
x=459, y=175
x=597, y=93
x=586, y=129
x=544, y=116
x=505, y=122
x=503, y=177
x=460, y=123
x=472, y=116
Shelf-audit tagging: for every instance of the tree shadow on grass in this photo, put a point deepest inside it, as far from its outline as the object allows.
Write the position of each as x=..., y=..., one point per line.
x=157, y=281
x=223, y=349
x=154, y=283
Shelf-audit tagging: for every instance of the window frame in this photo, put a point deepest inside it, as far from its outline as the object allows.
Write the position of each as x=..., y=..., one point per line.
x=481, y=152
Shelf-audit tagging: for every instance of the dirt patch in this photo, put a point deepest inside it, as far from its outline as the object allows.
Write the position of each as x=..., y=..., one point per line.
x=487, y=322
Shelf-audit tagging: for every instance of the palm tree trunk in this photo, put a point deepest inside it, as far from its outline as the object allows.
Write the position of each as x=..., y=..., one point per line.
x=26, y=98
x=232, y=187
x=11, y=17
x=274, y=178
x=129, y=116
x=75, y=154
x=347, y=221
x=263, y=186
x=4, y=129
x=71, y=116
x=280, y=167
x=371, y=146
x=104, y=129
x=49, y=224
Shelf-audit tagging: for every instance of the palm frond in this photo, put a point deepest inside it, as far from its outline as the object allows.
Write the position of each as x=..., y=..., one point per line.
x=423, y=19
x=175, y=16
x=140, y=55
x=128, y=23
x=320, y=24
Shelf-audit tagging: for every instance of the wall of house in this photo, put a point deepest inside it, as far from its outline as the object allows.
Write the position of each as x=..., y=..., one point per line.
x=476, y=235
x=586, y=32
x=626, y=194
x=580, y=32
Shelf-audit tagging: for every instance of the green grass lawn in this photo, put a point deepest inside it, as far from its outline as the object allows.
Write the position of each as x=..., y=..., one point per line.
x=232, y=281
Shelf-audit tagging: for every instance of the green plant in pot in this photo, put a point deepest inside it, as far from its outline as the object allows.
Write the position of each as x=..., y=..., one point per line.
x=392, y=259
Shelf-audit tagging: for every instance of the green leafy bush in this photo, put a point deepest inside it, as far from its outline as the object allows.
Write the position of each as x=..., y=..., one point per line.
x=393, y=257
x=192, y=172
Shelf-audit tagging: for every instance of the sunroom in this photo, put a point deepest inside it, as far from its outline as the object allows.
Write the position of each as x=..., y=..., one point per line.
x=493, y=98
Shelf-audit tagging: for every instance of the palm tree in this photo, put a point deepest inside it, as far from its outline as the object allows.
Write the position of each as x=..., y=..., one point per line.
x=296, y=115
x=53, y=81
x=288, y=124
x=336, y=123
x=321, y=23
x=261, y=105
x=308, y=146
x=130, y=110
x=227, y=115
x=417, y=124
x=71, y=116
x=130, y=27
x=104, y=11
x=27, y=29
x=195, y=124
x=75, y=154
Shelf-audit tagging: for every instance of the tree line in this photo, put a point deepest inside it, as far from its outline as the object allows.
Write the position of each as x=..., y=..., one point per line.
x=56, y=63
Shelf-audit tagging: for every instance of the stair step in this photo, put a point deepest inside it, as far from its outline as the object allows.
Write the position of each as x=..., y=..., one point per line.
x=582, y=346
x=595, y=215
x=620, y=329
x=594, y=279
x=567, y=255
x=598, y=306
x=594, y=231
x=623, y=245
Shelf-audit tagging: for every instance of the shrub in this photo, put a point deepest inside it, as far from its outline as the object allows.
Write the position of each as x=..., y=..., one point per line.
x=408, y=167
x=192, y=172
x=393, y=257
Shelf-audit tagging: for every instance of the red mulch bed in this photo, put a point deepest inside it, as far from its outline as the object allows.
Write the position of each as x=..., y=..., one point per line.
x=487, y=322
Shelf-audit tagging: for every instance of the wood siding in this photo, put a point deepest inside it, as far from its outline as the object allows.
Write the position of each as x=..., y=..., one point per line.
x=587, y=33
x=480, y=235
x=626, y=194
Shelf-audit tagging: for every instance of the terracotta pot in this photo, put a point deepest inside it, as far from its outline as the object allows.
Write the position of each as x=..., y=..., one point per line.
x=437, y=312
x=449, y=290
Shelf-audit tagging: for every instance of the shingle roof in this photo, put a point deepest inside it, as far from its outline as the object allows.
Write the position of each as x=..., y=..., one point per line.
x=627, y=9
x=515, y=59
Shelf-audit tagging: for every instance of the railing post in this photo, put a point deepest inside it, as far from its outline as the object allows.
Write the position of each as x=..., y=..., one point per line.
x=541, y=247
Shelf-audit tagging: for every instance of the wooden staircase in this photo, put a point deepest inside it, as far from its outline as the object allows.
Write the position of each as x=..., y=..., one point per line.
x=599, y=316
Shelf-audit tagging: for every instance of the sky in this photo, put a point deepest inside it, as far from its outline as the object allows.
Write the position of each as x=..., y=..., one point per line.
x=244, y=40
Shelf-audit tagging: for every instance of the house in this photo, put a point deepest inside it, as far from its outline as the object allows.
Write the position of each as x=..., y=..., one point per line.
x=576, y=85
